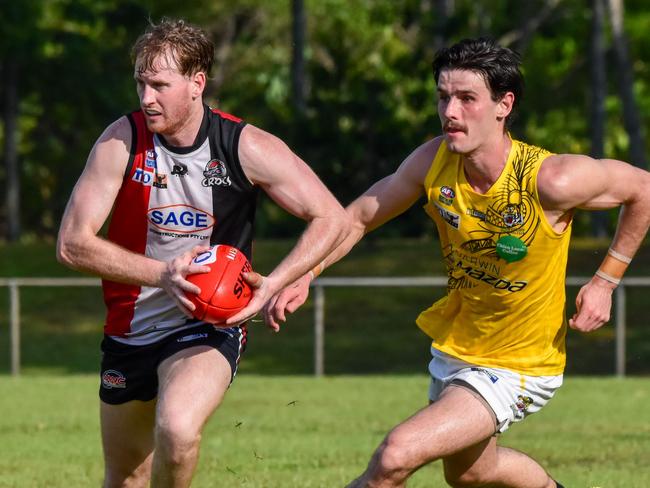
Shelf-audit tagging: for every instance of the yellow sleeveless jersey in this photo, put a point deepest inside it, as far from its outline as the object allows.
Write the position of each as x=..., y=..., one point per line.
x=505, y=302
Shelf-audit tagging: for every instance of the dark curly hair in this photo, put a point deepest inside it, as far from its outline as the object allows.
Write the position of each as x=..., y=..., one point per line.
x=499, y=67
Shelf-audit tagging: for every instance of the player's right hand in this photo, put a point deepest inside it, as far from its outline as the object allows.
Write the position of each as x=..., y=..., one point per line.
x=288, y=300
x=173, y=279
x=593, y=305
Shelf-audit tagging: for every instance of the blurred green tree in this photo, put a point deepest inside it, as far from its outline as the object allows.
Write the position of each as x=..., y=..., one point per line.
x=369, y=97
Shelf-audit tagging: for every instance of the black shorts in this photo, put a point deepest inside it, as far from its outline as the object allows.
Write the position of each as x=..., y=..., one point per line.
x=131, y=372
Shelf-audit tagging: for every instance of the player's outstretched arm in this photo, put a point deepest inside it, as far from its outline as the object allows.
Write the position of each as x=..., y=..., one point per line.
x=79, y=246
x=383, y=201
x=290, y=182
x=567, y=182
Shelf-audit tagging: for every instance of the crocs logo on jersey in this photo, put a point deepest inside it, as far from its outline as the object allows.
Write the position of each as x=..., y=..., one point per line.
x=216, y=174
x=113, y=379
x=182, y=219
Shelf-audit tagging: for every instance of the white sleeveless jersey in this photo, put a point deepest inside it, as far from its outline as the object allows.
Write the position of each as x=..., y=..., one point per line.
x=171, y=200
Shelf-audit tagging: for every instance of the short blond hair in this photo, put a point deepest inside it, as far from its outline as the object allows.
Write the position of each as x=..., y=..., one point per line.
x=185, y=44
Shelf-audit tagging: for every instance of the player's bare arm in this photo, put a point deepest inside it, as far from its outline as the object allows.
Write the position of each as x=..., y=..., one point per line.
x=383, y=201
x=290, y=182
x=568, y=182
x=388, y=198
x=79, y=245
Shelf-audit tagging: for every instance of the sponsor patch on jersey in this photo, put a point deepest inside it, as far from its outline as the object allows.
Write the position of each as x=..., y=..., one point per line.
x=447, y=195
x=160, y=180
x=451, y=218
x=145, y=178
x=215, y=174
x=179, y=169
x=181, y=219
x=113, y=379
x=511, y=248
x=192, y=337
x=150, y=158
x=472, y=212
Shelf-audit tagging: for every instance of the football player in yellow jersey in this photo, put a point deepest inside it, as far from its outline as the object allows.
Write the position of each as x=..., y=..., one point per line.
x=503, y=210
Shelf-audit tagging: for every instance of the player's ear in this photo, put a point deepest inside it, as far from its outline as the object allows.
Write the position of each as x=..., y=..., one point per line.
x=199, y=80
x=504, y=106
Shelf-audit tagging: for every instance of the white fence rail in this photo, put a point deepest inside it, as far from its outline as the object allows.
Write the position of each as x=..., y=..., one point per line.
x=319, y=286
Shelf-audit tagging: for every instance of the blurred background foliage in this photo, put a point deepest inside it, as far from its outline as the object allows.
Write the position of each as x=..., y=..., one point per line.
x=347, y=83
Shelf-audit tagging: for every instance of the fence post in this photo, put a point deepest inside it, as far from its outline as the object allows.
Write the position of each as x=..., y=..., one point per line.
x=14, y=327
x=319, y=330
x=620, y=331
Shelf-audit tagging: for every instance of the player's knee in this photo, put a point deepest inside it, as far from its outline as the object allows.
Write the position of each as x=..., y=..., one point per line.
x=177, y=439
x=394, y=457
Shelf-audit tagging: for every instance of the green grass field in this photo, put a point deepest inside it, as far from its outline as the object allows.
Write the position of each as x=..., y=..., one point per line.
x=280, y=427
x=301, y=432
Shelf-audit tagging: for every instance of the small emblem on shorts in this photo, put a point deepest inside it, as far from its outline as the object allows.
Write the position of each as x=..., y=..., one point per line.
x=523, y=402
x=192, y=337
x=113, y=379
x=493, y=378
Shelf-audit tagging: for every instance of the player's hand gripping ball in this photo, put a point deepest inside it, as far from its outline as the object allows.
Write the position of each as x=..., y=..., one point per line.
x=224, y=292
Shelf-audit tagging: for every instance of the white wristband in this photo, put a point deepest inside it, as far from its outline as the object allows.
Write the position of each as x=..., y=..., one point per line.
x=621, y=257
x=607, y=277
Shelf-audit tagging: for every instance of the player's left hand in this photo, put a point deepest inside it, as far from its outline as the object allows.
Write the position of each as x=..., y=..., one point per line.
x=262, y=292
x=286, y=301
x=173, y=281
x=593, y=305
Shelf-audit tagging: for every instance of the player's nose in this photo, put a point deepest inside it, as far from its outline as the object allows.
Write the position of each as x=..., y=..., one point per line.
x=450, y=109
x=147, y=96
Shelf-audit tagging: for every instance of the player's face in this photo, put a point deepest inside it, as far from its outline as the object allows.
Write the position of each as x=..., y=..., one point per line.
x=166, y=96
x=469, y=116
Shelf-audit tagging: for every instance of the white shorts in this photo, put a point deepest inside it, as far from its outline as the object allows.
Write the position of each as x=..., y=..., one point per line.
x=511, y=396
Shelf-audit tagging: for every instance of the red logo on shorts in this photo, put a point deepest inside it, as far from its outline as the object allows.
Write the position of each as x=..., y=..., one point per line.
x=113, y=379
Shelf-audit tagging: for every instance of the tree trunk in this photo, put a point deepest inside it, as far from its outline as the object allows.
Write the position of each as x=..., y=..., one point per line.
x=597, y=106
x=631, y=117
x=298, y=78
x=442, y=11
x=10, y=152
x=528, y=24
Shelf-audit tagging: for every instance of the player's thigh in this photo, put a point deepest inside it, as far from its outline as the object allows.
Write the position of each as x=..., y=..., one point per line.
x=471, y=463
x=456, y=421
x=127, y=436
x=192, y=383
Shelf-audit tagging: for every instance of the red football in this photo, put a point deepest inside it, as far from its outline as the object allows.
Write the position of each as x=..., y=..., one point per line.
x=223, y=290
